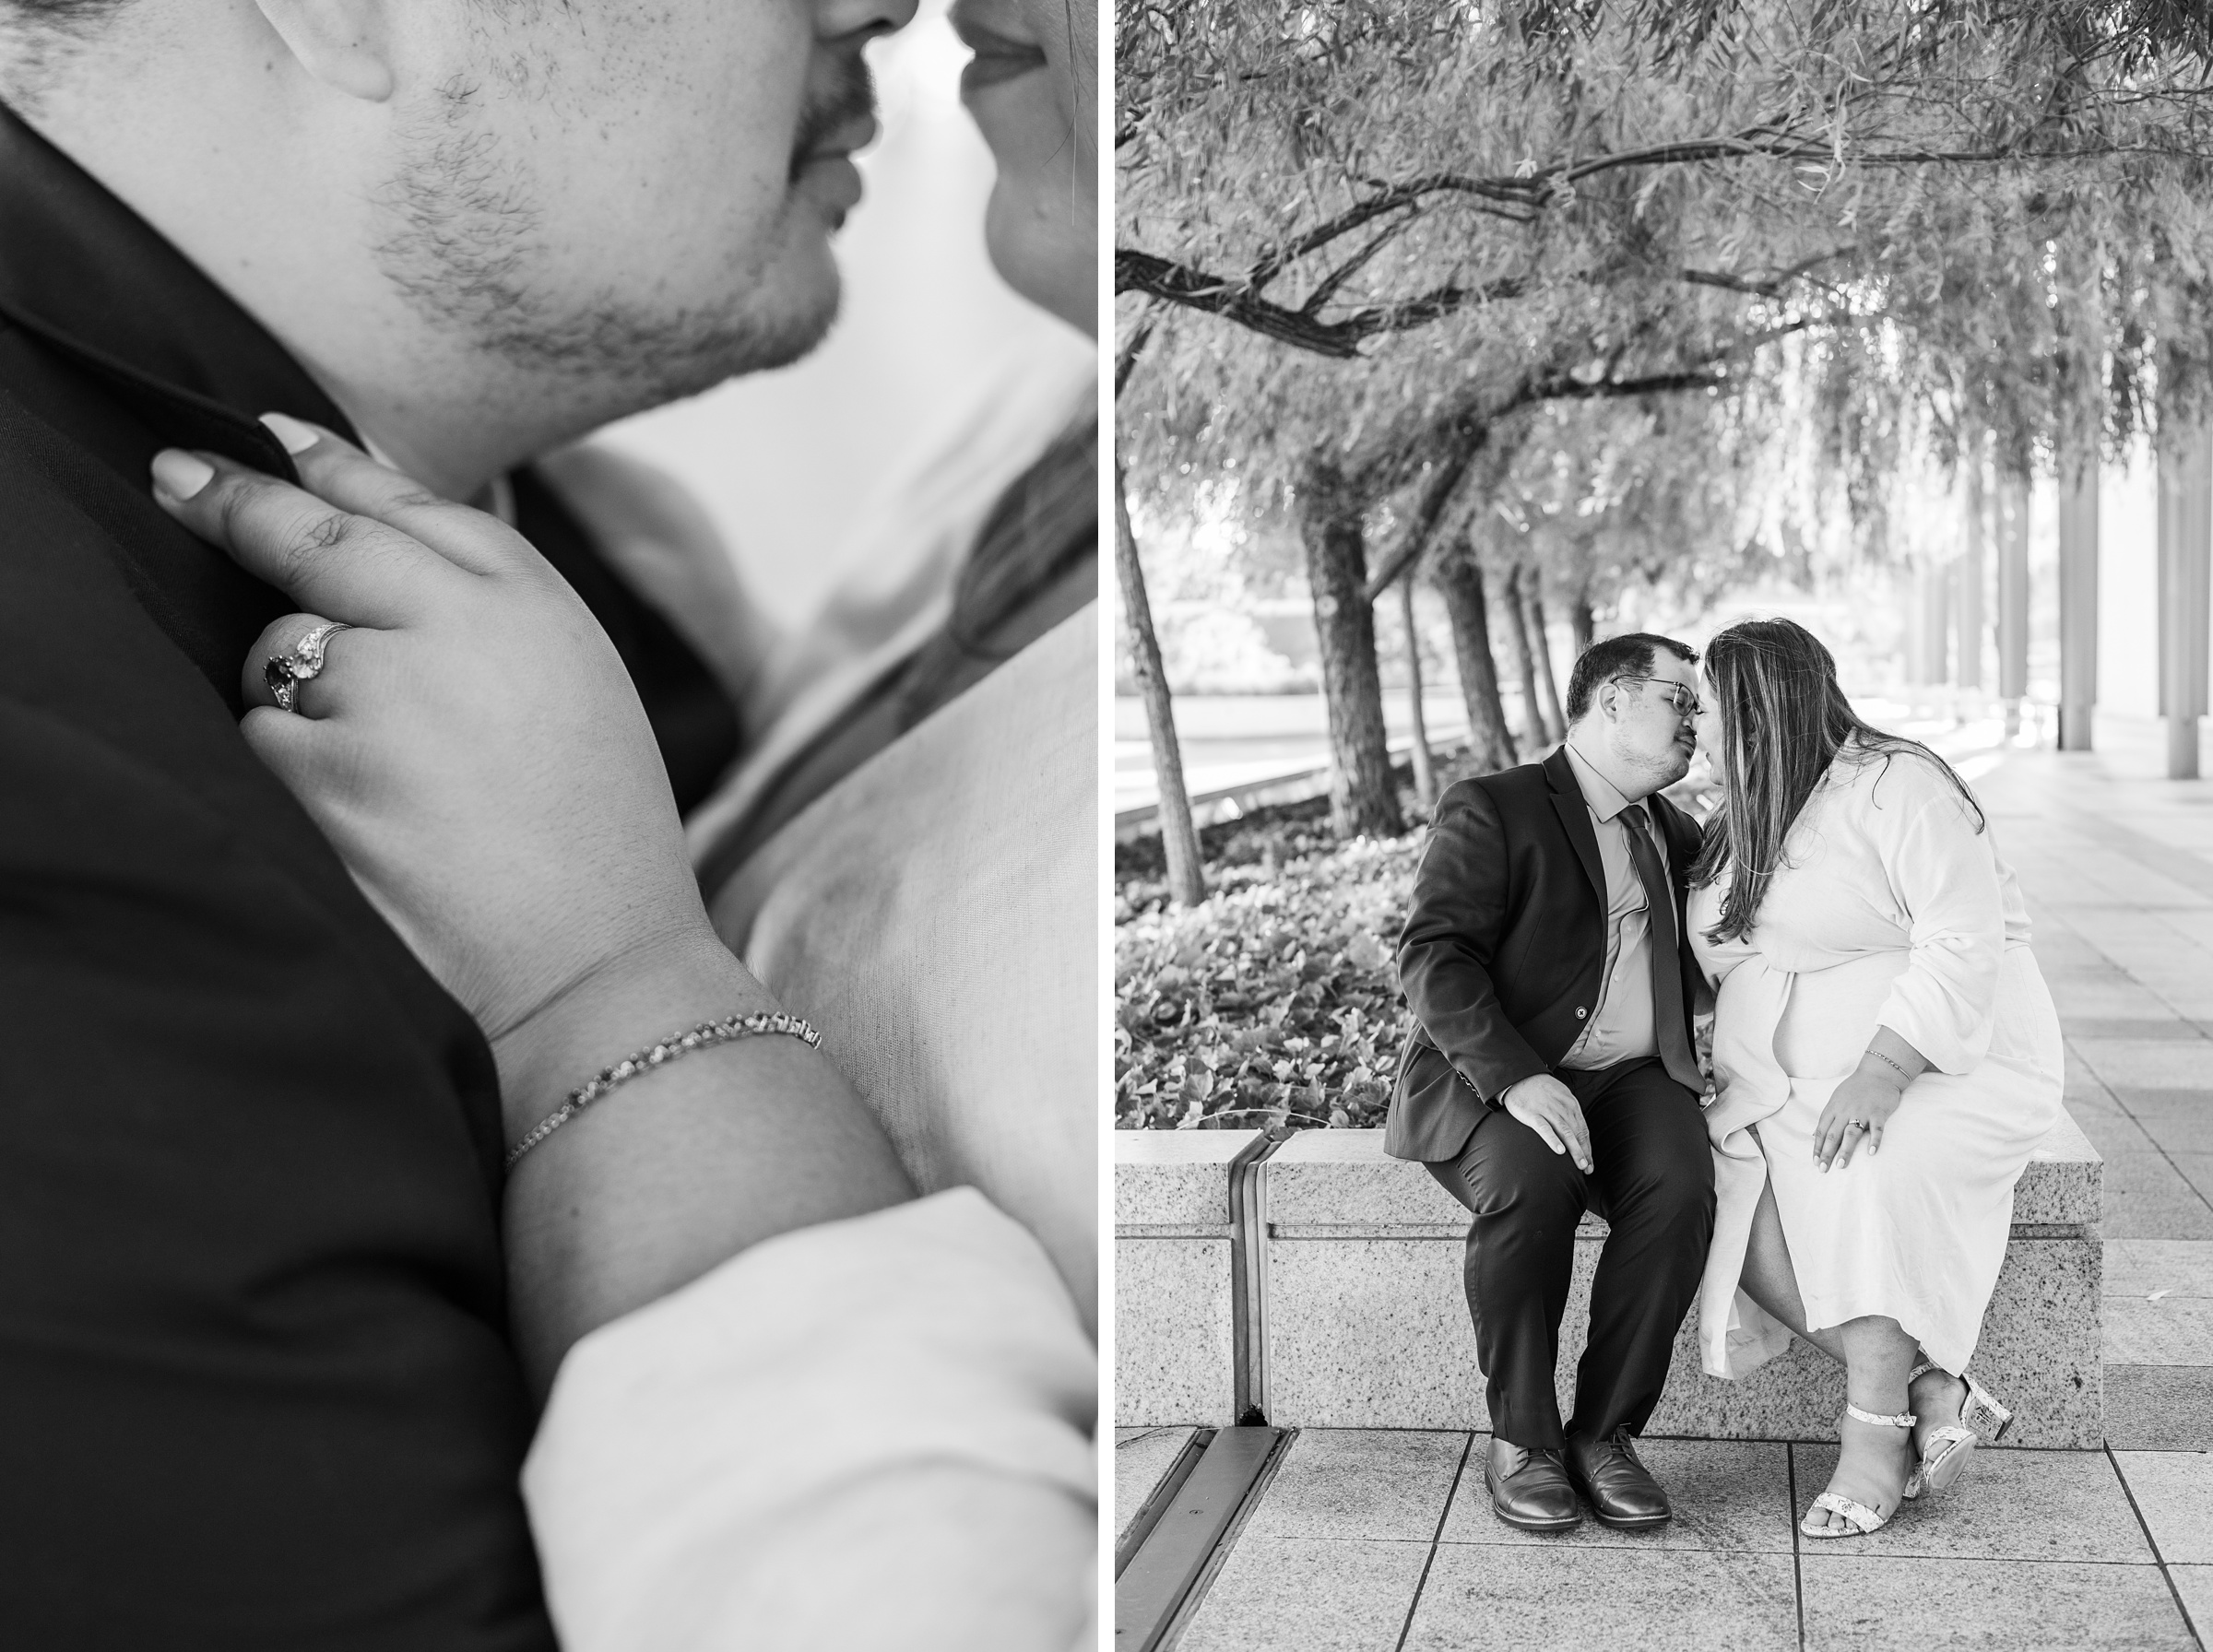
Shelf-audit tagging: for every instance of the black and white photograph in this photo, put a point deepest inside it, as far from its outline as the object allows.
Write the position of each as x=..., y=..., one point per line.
x=1663, y=880
x=549, y=848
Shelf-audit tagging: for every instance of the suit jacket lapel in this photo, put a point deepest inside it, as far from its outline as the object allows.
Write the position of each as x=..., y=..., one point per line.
x=1575, y=819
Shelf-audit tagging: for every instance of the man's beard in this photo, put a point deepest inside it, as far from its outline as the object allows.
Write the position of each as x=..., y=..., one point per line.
x=466, y=233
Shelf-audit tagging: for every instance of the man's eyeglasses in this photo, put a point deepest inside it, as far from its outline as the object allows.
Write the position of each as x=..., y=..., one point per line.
x=1684, y=700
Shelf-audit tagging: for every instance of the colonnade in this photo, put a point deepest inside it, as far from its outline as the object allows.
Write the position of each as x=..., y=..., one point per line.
x=1950, y=627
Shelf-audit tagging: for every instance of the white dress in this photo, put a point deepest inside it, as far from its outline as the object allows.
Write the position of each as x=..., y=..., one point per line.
x=756, y=1460
x=1891, y=910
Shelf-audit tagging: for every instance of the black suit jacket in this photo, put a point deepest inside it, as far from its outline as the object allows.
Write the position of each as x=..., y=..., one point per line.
x=254, y=1347
x=1502, y=951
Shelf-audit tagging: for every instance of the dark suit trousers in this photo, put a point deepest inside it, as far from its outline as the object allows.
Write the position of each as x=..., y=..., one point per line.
x=1652, y=1179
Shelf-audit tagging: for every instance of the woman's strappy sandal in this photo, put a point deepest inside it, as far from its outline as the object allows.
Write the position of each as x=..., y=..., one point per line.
x=1862, y=1518
x=1944, y=1454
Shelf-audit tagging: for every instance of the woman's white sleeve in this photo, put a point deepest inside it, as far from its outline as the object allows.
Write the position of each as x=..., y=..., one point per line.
x=1945, y=877
x=875, y=1431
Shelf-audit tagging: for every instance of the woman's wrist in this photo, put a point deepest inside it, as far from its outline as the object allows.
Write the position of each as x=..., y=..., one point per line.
x=622, y=1006
x=1879, y=1073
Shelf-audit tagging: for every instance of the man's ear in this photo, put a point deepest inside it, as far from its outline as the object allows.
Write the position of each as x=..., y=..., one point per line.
x=343, y=44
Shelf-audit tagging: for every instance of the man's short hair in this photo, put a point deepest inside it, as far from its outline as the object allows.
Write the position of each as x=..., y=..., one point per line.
x=1629, y=655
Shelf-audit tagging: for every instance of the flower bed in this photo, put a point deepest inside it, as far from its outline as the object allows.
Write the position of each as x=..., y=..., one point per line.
x=1274, y=1003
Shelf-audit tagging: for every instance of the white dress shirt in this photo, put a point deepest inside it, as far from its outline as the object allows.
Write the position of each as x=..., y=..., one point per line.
x=1621, y=1026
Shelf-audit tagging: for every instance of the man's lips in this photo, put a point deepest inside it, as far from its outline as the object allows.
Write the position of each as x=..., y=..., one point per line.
x=841, y=143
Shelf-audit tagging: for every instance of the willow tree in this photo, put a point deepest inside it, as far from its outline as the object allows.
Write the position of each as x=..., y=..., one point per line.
x=1400, y=229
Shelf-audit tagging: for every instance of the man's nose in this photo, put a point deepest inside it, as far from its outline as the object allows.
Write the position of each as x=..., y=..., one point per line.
x=856, y=22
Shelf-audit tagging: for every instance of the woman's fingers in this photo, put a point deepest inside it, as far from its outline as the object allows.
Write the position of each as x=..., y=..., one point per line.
x=1828, y=1137
x=1848, y=1139
x=350, y=567
x=339, y=472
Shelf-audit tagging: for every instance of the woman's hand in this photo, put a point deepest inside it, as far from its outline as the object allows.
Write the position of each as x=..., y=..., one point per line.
x=473, y=747
x=476, y=753
x=1868, y=1097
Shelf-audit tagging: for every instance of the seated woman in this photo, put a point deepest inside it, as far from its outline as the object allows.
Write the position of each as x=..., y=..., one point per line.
x=790, y=1403
x=1886, y=1054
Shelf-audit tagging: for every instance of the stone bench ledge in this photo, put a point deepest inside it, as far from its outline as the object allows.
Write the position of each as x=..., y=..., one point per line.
x=1175, y=1184
x=1339, y=1183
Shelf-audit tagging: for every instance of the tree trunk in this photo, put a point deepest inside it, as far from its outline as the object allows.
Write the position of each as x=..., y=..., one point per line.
x=1555, y=726
x=1362, y=796
x=1517, y=627
x=1424, y=777
x=1581, y=625
x=1178, y=837
x=1460, y=581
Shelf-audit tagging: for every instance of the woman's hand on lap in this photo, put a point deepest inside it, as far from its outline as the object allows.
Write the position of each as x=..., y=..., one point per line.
x=1869, y=1096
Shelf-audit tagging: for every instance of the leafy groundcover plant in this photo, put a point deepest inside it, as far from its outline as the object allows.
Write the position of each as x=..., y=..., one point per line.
x=1274, y=1003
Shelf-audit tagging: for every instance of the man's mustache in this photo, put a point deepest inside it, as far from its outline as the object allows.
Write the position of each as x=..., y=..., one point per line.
x=848, y=100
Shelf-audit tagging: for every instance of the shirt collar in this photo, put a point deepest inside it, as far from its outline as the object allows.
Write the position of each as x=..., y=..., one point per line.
x=1604, y=797
x=77, y=265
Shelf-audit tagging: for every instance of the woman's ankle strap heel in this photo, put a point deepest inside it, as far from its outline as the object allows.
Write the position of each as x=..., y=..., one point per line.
x=1903, y=1419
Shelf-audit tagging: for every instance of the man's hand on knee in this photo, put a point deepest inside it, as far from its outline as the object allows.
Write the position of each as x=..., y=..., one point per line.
x=1549, y=1108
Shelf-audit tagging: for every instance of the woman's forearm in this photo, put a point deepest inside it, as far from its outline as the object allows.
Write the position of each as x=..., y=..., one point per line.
x=1891, y=1057
x=679, y=1168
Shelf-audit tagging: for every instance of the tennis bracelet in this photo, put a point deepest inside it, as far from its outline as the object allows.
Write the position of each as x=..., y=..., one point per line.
x=673, y=1047
x=1895, y=1067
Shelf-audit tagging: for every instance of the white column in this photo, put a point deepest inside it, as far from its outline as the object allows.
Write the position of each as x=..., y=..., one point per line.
x=2013, y=597
x=1966, y=599
x=2078, y=603
x=2185, y=544
x=1932, y=589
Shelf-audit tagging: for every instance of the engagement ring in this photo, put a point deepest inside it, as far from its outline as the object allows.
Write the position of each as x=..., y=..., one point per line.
x=285, y=672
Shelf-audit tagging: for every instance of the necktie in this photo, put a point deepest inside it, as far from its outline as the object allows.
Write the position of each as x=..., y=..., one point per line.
x=1669, y=1021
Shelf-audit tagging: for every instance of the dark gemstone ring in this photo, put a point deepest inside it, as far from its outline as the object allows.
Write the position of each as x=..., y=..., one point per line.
x=285, y=672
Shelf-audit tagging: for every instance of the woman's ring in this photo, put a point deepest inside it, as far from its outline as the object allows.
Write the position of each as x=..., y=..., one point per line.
x=285, y=672
x=1856, y=1124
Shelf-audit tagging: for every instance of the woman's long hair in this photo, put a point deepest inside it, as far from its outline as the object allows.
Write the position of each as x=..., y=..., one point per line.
x=1784, y=721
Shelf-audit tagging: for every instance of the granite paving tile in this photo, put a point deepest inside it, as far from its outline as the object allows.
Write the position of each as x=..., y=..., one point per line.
x=2194, y=1584
x=2159, y=1408
x=1856, y=1602
x=2146, y=1198
x=2164, y=1101
x=2139, y=1267
x=1307, y=1594
x=2112, y=1131
x=1142, y=1455
x=2175, y=1493
x=2011, y=1506
x=1361, y=1482
x=2147, y=1064
x=2174, y=1330
x=1482, y=1597
x=2177, y=1133
x=1728, y=1494
x=2197, y=1168
x=2157, y=1021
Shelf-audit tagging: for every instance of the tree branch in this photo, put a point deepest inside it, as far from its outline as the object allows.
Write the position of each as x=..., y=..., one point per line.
x=1427, y=510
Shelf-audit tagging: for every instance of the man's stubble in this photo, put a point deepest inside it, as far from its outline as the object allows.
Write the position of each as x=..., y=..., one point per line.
x=464, y=240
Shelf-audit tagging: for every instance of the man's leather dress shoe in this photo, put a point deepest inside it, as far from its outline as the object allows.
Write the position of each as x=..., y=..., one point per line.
x=1621, y=1489
x=1536, y=1496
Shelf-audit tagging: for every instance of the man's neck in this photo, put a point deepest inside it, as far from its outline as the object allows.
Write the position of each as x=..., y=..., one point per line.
x=286, y=227
x=1635, y=787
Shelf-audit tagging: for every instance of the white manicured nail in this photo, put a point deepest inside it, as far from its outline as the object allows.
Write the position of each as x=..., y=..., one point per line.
x=297, y=437
x=180, y=475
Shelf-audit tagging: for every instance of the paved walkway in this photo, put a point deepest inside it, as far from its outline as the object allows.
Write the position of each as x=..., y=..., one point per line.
x=1379, y=1541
